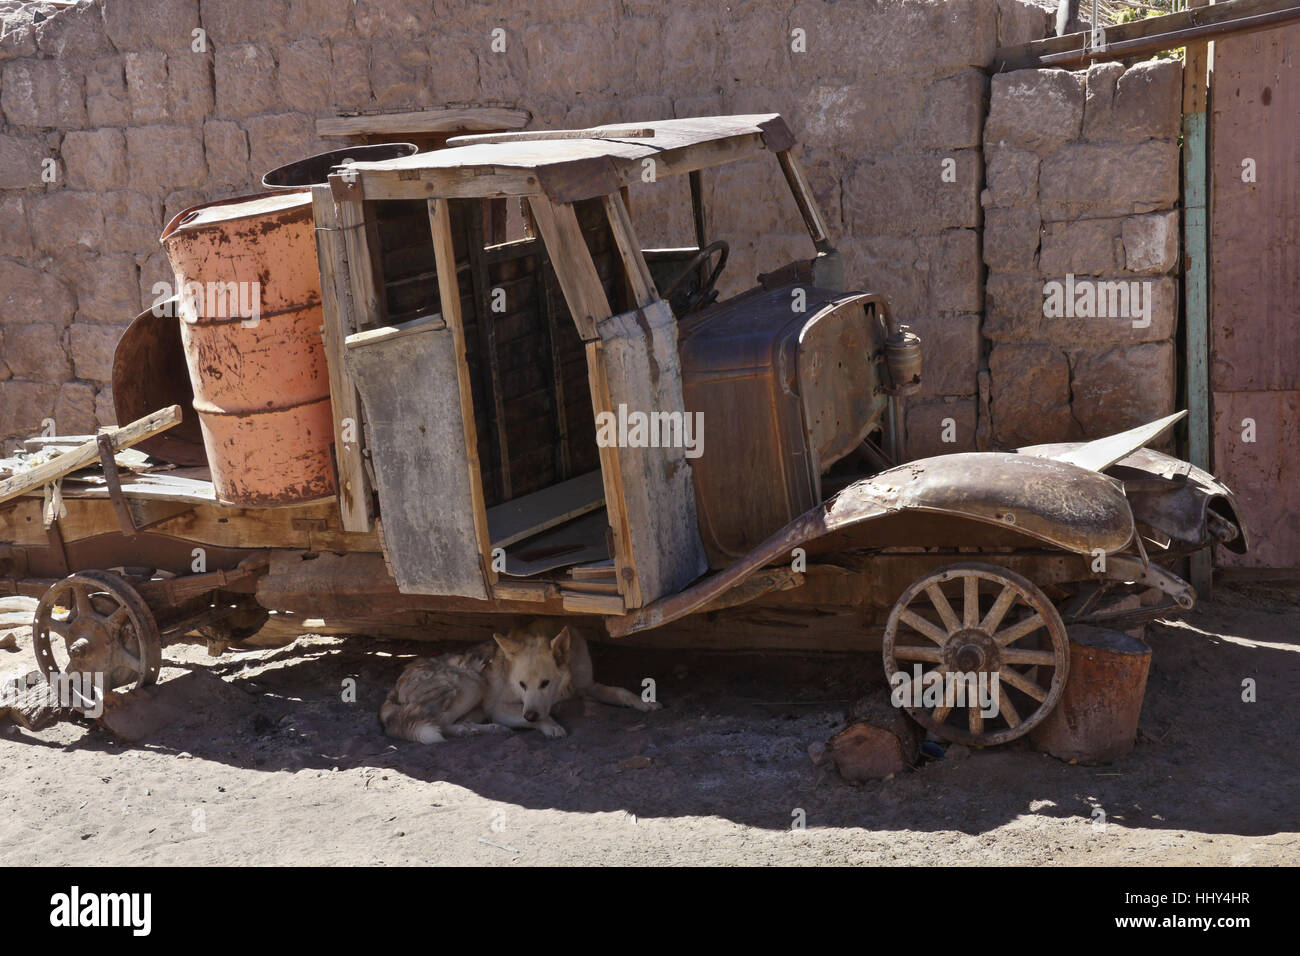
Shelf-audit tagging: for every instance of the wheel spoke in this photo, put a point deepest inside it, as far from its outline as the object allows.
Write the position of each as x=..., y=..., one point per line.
x=1022, y=683
x=922, y=626
x=1020, y=655
x=971, y=601
x=941, y=605
x=117, y=617
x=999, y=609
x=81, y=597
x=1006, y=708
x=915, y=652
x=974, y=719
x=1018, y=630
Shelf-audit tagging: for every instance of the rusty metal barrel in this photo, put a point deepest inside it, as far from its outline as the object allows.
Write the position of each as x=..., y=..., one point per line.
x=1096, y=720
x=250, y=322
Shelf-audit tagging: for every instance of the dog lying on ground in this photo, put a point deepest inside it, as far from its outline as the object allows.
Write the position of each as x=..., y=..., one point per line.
x=511, y=681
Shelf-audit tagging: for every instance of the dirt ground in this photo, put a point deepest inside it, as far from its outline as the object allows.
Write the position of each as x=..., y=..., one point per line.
x=264, y=762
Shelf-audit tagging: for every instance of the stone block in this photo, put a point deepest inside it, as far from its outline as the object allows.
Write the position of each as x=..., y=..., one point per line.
x=913, y=195
x=74, y=409
x=950, y=348
x=36, y=351
x=245, y=81
x=43, y=93
x=1151, y=242
x=942, y=427
x=92, y=350
x=95, y=159
x=226, y=145
x=1094, y=180
x=165, y=157
x=1146, y=103
x=1082, y=247
x=1122, y=387
x=65, y=219
x=1030, y=386
x=1011, y=238
x=33, y=295
x=1035, y=109
x=1013, y=307
x=25, y=405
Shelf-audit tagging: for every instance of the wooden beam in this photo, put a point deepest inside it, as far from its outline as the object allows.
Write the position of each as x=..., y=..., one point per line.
x=88, y=453
x=496, y=410
x=629, y=250
x=568, y=251
x=336, y=310
x=1150, y=35
x=424, y=121
x=531, y=514
x=449, y=293
x=804, y=199
x=1196, y=273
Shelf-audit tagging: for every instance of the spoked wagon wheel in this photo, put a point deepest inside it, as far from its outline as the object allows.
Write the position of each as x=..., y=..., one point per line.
x=105, y=626
x=970, y=622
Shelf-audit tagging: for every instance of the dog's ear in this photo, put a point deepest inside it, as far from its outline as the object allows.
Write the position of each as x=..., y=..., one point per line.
x=560, y=647
x=509, y=645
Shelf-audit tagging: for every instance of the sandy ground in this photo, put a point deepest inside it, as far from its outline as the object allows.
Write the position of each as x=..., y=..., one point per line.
x=266, y=763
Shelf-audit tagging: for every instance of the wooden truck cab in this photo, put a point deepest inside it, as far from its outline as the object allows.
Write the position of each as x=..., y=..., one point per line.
x=489, y=310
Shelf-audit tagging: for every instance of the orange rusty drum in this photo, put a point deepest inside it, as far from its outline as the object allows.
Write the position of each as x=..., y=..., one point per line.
x=250, y=321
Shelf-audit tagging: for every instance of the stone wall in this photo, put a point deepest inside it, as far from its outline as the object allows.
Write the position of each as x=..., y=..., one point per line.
x=1082, y=181
x=138, y=121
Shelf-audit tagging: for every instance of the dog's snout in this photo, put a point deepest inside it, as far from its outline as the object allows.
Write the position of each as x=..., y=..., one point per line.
x=530, y=716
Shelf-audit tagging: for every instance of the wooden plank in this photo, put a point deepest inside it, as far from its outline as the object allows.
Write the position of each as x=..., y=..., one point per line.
x=571, y=258
x=528, y=515
x=597, y=569
x=1150, y=35
x=364, y=277
x=640, y=370
x=423, y=323
x=541, y=135
x=122, y=438
x=610, y=467
x=424, y=121
x=354, y=494
x=449, y=293
x=805, y=200
x=496, y=408
x=629, y=250
x=580, y=602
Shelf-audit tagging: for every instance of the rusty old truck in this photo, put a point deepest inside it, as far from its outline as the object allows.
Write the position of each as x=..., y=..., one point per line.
x=477, y=395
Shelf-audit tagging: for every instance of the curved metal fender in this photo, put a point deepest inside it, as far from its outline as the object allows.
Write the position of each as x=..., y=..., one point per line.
x=1073, y=508
x=1169, y=494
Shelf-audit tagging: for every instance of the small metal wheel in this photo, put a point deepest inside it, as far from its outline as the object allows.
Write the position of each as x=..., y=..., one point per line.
x=105, y=626
x=969, y=622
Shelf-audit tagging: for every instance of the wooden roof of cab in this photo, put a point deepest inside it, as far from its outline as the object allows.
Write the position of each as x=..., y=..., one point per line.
x=565, y=165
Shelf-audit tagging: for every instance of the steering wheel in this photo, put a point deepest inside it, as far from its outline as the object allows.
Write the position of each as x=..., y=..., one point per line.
x=707, y=292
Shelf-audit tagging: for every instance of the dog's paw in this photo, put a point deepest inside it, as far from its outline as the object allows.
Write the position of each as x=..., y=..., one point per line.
x=645, y=706
x=553, y=730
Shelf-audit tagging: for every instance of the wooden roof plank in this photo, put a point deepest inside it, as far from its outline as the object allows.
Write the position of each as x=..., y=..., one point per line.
x=424, y=121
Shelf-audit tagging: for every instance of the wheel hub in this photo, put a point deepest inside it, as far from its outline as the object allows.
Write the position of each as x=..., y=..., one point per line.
x=971, y=651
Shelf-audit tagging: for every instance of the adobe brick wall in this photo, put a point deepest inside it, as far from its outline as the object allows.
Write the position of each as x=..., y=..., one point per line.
x=1082, y=180
x=140, y=125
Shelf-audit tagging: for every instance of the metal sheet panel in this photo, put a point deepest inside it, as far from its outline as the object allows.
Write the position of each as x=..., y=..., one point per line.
x=1255, y=263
